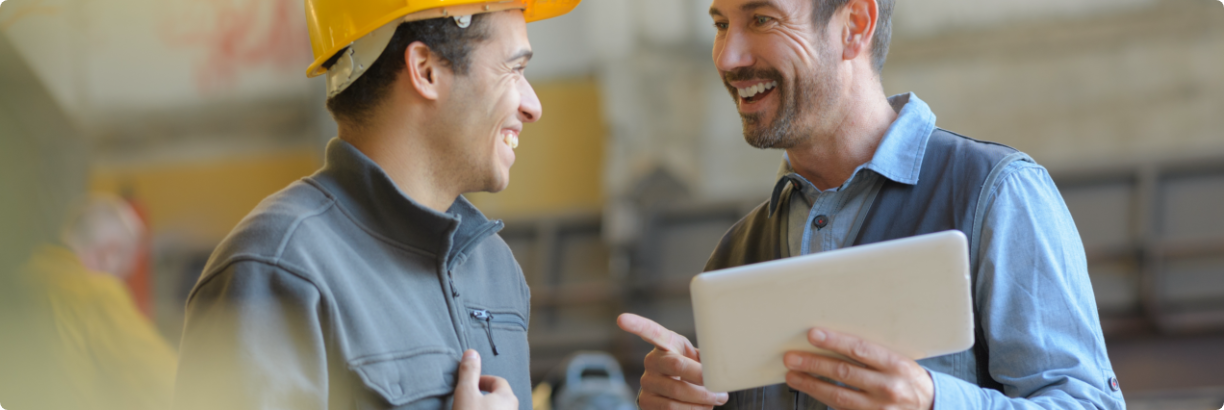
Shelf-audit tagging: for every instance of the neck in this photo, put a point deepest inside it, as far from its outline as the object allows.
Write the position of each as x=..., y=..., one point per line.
x=404, y=155
x=829, y=160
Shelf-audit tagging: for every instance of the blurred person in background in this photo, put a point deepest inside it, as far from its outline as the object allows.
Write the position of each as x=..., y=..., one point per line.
x=374, y=284
x=106, y=353
x=861, y=167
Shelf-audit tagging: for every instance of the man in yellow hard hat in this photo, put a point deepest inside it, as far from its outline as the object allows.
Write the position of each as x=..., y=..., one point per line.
x=373, y=284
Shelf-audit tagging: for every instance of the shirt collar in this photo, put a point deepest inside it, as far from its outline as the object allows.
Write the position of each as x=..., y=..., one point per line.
x=899, y=155
x=368, y=195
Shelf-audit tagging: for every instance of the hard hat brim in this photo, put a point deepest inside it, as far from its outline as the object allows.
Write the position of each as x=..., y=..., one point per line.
x=533, y=10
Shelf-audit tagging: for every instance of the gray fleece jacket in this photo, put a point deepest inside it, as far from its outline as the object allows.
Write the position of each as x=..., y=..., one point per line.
x=340, y=292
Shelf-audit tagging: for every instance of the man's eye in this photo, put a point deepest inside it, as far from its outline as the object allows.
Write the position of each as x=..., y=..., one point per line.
x=720, y=26
x=762, y=20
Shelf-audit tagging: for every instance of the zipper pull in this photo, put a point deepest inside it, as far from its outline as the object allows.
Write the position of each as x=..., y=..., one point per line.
x=451, y=278
x=488, y=319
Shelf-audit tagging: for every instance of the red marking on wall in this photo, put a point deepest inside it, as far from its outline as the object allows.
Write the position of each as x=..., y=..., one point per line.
x=140, y=281
x=16, y=10
x=238, y=35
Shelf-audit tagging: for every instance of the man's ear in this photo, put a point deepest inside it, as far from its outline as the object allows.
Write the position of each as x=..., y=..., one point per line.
x=423, y=68
x=860, y=17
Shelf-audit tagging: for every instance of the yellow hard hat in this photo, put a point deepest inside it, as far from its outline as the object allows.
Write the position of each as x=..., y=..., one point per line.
x=366, y=27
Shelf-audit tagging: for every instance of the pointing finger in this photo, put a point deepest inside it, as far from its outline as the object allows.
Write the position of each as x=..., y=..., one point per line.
x=655, y=334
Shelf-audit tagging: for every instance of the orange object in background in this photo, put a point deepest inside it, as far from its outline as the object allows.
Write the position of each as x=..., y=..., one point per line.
x=140, y=282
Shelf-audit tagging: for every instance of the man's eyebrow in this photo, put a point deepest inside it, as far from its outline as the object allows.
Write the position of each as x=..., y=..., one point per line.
x=524, y=53
x=749, y=6
x=753, y=5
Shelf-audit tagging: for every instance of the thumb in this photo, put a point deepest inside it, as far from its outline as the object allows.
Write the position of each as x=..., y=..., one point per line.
x=469, y=373
x=494, y=384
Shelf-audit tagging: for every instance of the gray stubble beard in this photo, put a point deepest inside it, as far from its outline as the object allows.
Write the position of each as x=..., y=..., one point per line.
x=783, y=132
x=778, y=133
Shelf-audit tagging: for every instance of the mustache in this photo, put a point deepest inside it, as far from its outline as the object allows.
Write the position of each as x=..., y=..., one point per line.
x=751, y=73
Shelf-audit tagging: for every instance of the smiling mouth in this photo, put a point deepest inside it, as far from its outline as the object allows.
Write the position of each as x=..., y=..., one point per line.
x=511, y=139
x=757, y=92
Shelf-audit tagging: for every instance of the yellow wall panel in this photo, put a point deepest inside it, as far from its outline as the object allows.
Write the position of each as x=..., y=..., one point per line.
x=205, y=200
x=559, y=161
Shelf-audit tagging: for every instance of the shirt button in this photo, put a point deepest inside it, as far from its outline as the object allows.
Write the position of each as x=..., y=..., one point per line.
x=821, y=221
x=1113, y=384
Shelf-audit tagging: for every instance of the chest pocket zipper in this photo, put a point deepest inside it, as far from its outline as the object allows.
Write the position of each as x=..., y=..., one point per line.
x=489, y=319
x=484, y=315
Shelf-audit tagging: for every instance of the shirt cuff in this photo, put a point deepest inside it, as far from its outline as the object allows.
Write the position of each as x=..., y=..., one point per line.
x=953, y=393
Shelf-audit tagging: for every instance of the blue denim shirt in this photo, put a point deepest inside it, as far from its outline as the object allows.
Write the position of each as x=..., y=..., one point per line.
x=822, y=220
x=1037, y=308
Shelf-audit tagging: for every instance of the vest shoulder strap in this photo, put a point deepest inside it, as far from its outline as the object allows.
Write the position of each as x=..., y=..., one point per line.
x=755, y=238
x=951, y=193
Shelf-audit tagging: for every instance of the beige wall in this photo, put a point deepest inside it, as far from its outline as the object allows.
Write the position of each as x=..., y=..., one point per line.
x=1120, y=87
x=111, y=58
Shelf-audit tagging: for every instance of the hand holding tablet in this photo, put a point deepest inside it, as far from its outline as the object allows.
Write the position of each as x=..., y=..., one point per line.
x=787, y=320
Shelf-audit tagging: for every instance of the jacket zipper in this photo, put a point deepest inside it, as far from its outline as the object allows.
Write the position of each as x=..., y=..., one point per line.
x=488, y=325
x=494, y=226
x=450, y=277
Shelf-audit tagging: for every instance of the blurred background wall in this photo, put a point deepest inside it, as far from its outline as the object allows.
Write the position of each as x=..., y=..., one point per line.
x=195, y=110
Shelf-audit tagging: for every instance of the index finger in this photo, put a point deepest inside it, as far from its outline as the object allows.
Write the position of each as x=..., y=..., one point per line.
x=653, y=333
x=873, y=355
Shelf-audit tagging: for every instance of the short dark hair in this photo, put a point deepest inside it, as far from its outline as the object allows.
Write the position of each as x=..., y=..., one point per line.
x=883, y=34
x=442, y=35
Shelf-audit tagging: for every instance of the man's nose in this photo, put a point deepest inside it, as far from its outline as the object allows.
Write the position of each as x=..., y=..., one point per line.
x=732, y=52
x=530, y=109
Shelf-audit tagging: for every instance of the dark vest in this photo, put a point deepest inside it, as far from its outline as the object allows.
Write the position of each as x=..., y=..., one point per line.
x=950, y=194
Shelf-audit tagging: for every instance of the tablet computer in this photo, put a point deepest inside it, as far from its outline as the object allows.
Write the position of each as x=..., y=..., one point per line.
x=911, y=295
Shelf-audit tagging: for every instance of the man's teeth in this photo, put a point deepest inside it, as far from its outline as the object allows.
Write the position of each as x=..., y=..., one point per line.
x=511, y=140
x=752, y=91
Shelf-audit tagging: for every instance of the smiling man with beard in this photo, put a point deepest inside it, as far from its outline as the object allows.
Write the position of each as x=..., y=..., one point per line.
x=860, y=167
x=373, y=284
